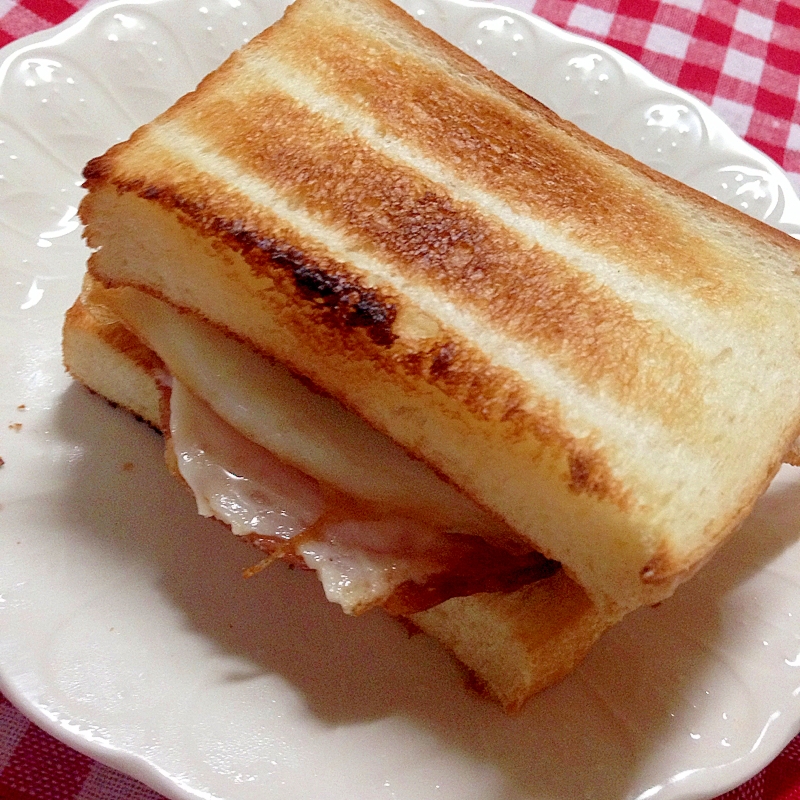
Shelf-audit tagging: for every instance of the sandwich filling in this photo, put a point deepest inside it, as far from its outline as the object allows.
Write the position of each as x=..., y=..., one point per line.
x=363, y=555
x=308, y=482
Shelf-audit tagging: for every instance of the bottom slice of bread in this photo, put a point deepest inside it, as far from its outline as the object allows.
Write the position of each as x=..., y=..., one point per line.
x=517, y=643
x=514, y=644
x=101, y=353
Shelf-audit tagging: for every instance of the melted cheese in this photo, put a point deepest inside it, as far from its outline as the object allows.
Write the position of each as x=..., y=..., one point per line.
x=268, y=405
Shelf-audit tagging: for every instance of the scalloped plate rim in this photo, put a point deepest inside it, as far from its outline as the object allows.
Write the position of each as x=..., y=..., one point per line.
x=137, y=766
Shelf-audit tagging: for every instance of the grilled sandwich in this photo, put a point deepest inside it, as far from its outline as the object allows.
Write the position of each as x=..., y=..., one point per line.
x=597, y=368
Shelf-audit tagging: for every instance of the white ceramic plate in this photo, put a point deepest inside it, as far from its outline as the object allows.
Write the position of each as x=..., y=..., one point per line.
x=125, y=627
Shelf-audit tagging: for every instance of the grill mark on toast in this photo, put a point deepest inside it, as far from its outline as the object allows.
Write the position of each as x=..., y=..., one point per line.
x=329, y=286
x=651, y=298
x=518, y=154
x=530, y=293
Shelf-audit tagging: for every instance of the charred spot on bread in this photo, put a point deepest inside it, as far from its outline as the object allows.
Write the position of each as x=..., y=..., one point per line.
x=354, y=305
x=589, y=474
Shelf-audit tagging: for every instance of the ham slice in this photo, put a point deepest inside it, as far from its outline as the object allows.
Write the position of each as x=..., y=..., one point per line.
x=364, y=554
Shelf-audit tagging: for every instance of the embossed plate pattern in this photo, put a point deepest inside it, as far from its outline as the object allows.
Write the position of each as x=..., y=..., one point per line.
x=125, y=628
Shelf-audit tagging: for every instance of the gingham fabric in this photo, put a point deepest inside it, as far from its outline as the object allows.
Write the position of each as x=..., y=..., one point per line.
x=29, y=16
x=742, y=58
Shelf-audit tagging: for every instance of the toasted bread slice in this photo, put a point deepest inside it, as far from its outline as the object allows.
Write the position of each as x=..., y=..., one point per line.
x=518, y=643
x=514, y=643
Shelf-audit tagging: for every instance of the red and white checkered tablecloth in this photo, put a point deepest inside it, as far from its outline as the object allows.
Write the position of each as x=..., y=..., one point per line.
x=742, y=57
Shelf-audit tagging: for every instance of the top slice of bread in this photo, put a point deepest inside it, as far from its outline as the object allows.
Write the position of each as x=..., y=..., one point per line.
x=605, y=358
